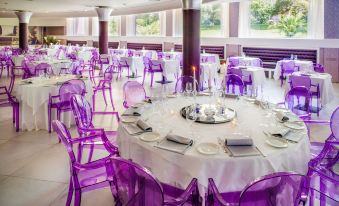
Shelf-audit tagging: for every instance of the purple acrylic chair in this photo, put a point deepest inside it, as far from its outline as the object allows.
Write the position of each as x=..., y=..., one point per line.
x=247, y=79
x=287, y=68
x=160, y=55
x=133, y=93
x=84, y=177
x=6, y=99
x=103, y=60
x=234, y=81
x=150, y=67
x=120, y=65
x=233, y=62
x=324, y=181
x=319, y=68
x=42, y=68
x=103, y=85
x=305, y=81
x=278, y=189
x=83, y=115
x=298, y=101
x=181, y=83
x=62, y=101
x=317, y=147
x=133, y=185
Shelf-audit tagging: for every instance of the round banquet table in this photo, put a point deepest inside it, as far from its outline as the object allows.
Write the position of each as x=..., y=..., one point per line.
x=33, y=99
x=248, y=61
x=303, y=66
x=209, y=73
x=324, y=81
x=135, y=63
x=169, y=66
x=230, y=173
x=257, y=75
x=56, y=64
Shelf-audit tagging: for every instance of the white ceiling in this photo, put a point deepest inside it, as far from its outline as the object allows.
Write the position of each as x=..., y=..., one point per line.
x=73, y=8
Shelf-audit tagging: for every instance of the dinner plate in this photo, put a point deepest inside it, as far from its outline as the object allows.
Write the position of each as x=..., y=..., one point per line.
x=277, y=142
x=150, y=136
x=129, y=119
x=294, y=125
x=208, y=148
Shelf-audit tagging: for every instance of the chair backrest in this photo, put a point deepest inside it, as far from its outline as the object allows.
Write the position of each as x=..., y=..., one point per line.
x=135, y=185
x=278, y=189
x=65, y=138
x=181, y=83
x=42, y=68
x=82, y=111
x=297, y=100
x=234, y=80
x=147, y=63
x=335, y=123
x=235, y=71
x=149, y=54
x=104, y=59
x=287, y=66
x=319, y=68
x=108, y=74
x=71, y=87
x=133, y=92
x=300, y=81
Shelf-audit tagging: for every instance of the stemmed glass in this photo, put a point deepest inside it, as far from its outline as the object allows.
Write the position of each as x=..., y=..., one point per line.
x=191, y=117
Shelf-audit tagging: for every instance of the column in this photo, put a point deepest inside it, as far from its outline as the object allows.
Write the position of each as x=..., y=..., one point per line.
x=103, y=16
x=24, y=17
x=191, y=37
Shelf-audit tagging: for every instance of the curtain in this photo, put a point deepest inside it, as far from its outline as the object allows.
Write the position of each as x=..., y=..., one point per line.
x=316, y=19
x=77, y=26
x=244, y=19
x=177, y=22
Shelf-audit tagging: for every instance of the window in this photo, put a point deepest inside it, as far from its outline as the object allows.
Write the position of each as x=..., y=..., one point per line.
x=147, y=24
x=77, y=26
x=279, y=18
x=113, y=26
x=210, y=25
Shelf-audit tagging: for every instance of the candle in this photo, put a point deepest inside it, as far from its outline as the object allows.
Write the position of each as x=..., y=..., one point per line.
x=194, y=86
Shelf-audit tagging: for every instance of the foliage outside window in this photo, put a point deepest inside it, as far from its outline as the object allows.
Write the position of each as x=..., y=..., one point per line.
x=113, y=26
x=211, y=20
x=278, y=18
x=147, y=24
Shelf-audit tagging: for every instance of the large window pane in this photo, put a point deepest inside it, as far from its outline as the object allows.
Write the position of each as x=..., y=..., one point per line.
x=113, y=26
x=147, y=24
x=77, y=26
x=279, y=18
x=211, y=20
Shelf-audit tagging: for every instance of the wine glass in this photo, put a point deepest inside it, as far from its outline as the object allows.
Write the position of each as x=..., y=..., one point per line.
x=188, y=88
x=191, y=116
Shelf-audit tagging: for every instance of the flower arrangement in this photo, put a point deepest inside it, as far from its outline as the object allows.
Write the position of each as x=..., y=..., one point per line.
x=51, y=40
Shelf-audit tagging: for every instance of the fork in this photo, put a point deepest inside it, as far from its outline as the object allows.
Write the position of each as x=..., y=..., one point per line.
x=222, y=144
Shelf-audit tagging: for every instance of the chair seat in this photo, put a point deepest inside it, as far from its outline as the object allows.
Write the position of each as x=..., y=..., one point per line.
x=62, y=106
x=111, y=136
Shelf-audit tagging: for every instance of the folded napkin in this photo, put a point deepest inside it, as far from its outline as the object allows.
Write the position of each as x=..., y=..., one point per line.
x=132, y=112
x=144, y=126
x=282, y=116
x=179, y=139
x=279, y=132
x=138, y=128
x=243, y=141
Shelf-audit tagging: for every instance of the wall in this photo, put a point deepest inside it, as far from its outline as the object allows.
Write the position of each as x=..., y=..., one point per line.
x=35, y=21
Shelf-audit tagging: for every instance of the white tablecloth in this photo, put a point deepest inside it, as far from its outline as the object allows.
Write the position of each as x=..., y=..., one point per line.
x=216, y=56
x=135, y=63
x=169, y=66
x=171, y=54
x=257, y=74
x=303, y=65
x=85, y=55
x=33, y=100
x=17, y=60
x=120, y=52
x=247, y=61
x=229, y=173
x=325, y=86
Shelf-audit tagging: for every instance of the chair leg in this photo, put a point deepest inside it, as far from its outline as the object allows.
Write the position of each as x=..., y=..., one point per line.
x=77, y=197
x=93, y=100
x=103, y=94
x=17, y=118
x=152, y=76
x=143, y=79
x=111, y=97
x=49, y=118
x=70, y=192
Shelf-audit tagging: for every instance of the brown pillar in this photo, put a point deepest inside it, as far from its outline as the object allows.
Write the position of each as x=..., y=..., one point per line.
x=24, y=18
x=103, y=16
x=191, y=38
x=103, y=37
x=23, y=36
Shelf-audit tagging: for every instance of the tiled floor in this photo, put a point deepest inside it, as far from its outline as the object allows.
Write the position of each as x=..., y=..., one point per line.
x=34, y=167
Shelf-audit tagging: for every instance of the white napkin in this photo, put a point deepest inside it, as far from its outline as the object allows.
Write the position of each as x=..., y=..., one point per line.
x=244, y=141
x=282, y=116
x=179, y=139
